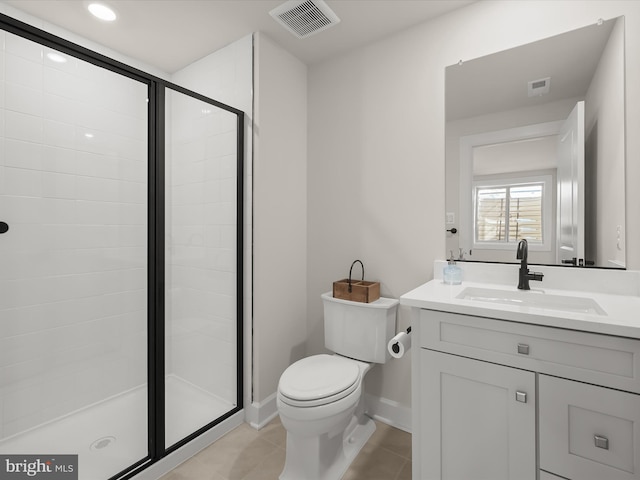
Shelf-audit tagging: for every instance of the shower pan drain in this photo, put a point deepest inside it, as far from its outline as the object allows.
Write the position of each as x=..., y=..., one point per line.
x=101, y=443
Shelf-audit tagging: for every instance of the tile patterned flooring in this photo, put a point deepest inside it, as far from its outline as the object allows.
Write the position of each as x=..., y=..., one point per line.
x=248, y=454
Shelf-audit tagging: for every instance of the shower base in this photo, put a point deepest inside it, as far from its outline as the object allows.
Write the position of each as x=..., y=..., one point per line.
x=112, y=435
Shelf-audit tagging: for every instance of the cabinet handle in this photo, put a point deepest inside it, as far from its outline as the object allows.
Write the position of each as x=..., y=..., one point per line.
x=521, y=397
x=523, y=348
x=601, y=442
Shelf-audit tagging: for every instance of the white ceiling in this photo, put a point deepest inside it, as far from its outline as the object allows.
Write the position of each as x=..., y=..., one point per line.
x=172, y=34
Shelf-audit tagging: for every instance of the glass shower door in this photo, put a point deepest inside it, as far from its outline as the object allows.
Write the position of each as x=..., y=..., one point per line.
x=201, y=263
x=73, y=260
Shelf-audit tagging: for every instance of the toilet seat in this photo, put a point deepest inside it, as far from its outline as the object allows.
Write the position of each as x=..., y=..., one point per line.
x=318, y=380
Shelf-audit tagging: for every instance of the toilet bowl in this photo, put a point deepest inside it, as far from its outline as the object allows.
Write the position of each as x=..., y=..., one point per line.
x=320, y=405
x=316, y=392
x=320, y=398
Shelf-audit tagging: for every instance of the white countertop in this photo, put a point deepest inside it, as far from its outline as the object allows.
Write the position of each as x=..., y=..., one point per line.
x=622, y=311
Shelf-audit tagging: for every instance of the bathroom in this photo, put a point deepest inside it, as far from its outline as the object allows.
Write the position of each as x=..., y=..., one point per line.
x=369, y=123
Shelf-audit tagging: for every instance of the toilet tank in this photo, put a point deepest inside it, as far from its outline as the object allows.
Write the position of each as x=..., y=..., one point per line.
x=359, y=330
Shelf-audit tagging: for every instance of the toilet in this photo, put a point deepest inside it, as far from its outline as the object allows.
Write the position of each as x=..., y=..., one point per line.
x=320, y=398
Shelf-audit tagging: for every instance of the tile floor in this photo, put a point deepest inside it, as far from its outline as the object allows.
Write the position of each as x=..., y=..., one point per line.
x=248, y=454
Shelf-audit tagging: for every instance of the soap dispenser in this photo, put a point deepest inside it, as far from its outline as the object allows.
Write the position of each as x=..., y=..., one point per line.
x=452, y=273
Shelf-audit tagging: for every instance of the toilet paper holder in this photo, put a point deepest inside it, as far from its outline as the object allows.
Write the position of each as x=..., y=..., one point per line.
x=396, y=347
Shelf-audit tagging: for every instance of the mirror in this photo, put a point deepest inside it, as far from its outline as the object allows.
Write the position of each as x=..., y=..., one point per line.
x=535, y=149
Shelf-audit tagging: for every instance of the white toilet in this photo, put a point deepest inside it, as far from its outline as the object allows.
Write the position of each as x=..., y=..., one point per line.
x=320, y=399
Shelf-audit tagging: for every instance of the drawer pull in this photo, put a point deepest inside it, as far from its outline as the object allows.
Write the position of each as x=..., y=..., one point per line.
x=601, y=442
x=521, y=397
x=523, y=348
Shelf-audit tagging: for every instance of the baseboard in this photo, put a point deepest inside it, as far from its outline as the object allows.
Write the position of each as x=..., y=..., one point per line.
x=259, y=414
x=389, y=412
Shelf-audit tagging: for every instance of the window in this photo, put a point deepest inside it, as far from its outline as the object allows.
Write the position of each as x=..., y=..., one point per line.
x=506, y=211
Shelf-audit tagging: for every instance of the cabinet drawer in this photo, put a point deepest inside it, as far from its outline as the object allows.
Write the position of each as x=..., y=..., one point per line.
x=588, y=432
x=590, y=357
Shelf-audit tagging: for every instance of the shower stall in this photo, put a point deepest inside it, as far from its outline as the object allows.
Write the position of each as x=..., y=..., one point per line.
x=120, y=258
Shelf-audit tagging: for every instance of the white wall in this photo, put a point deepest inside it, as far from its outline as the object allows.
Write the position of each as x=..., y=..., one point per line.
x=376, y=148
x=280, y=215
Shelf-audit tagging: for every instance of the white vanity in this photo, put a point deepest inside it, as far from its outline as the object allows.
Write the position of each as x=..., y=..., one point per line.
x=542, y=384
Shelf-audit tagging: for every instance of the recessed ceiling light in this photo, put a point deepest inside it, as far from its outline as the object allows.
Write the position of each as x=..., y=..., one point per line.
x=101, y=11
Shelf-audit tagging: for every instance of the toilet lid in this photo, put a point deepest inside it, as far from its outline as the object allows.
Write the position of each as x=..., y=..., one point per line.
x=319, y=379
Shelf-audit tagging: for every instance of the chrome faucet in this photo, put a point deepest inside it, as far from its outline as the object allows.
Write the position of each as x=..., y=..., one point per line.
x=524, y=275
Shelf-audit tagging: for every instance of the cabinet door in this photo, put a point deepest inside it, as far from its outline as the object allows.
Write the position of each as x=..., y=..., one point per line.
x=588, y=432
x=478, y=420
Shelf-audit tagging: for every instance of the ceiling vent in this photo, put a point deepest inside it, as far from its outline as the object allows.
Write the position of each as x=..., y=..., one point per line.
x=539, y=87
x=304, y=18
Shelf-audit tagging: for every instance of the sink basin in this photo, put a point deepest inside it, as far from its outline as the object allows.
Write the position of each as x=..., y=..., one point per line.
x=535, y=299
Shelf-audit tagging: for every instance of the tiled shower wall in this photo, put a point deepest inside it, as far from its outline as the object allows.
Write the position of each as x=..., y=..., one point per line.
x=201, y=187
x=201, y=259
x=73, y=264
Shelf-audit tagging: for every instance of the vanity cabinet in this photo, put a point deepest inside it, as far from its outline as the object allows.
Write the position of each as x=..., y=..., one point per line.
x=506, y=400
x=479, y=419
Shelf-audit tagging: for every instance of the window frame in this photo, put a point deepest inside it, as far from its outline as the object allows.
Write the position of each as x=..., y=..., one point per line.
x=546, y=213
